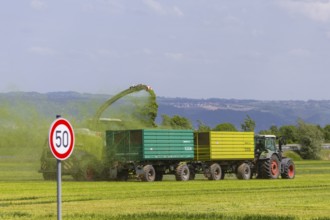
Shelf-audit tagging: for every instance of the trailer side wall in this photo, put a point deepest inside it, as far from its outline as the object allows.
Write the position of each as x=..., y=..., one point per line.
x=216, y=145
x=149, y=144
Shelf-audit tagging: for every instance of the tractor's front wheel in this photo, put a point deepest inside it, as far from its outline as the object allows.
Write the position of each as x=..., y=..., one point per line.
x=289, y=170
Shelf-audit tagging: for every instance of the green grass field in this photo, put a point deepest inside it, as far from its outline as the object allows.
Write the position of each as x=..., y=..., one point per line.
x=24, y=195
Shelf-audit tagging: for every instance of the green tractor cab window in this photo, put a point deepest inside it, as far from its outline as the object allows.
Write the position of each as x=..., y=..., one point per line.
x=265, y=142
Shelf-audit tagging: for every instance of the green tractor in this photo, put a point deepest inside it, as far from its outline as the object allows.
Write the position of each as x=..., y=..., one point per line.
x=269, y=160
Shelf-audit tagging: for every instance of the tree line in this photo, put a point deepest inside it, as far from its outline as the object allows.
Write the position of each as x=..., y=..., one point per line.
x=310, y=137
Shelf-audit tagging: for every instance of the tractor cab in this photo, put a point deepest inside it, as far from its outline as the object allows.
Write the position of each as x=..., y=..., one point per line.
x=265, y=146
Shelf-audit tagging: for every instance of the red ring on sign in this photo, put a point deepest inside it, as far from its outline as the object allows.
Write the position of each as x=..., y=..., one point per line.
x=56, y=123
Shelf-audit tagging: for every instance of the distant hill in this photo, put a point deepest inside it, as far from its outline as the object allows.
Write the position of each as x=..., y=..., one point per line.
x=265, y=113
x=209, y=111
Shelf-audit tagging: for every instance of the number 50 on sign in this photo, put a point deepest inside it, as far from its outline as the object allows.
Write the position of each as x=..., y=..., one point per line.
x=61, y=138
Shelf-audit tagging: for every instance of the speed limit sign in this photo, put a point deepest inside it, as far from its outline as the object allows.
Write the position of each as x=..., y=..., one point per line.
x=61, y=138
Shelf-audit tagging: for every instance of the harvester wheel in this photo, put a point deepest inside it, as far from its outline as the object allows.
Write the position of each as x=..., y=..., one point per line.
x=289, y=170
x=243, y=172
x=271, y=168
x=182, y=173
x=215, y=172
x=149, y=173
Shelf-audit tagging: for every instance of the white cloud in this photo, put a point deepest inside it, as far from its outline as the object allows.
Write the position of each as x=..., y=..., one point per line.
x=163, y=10
x=147, y=51
x=317, y=10
x=174, y=56
x=177, y=11
x=107, y=52
x=44, y=51
x=155, y=6
x=257, y=33
x=107, y=6
x=38, y=4
x=299, y=52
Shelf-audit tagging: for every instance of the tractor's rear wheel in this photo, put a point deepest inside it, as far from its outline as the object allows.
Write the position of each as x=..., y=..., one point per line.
x=243, y=172
x=182, y=173
x=149, y=173
x=270, y=168
x=289, y=170
x=215, y=172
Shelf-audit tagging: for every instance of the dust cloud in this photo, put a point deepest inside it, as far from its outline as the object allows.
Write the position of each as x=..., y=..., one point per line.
x=24, y=129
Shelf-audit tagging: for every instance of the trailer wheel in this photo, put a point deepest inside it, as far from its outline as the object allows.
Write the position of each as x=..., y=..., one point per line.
x=271, y=168
x=243, y=172
x=215, y=172
x=289, y=170
x=149, y=174
x=182, y=173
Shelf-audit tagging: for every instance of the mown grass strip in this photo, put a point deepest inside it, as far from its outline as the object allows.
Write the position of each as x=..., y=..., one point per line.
x=179, y=216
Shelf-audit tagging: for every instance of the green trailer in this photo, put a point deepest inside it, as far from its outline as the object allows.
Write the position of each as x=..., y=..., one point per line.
x=149, y=153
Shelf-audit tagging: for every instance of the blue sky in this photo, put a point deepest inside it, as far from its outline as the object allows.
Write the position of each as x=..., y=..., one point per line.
x=256, y=49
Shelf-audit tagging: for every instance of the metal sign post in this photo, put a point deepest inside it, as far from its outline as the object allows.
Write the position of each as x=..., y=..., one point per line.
x=61, y=143
x=59, y=190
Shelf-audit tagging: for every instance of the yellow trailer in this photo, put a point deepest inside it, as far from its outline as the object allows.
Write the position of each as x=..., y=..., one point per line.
x=220, y=145
x=220, y=152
